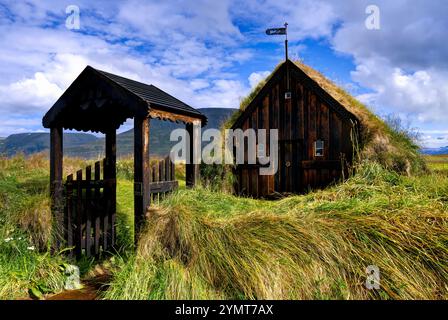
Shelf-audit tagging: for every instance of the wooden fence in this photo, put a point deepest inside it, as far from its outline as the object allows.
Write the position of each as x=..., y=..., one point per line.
x=90, y=206
x=162, y=179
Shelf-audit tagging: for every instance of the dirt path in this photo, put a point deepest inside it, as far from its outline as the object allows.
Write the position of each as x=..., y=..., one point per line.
x=91, y=290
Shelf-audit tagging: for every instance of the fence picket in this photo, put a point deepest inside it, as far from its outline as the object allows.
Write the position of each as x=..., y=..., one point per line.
x=105, y=217
x=97, y=212
x=79, y=214
x=88, y=210
x=155, y=178
x=173, y=171
x=167, y=169
x=69, y=213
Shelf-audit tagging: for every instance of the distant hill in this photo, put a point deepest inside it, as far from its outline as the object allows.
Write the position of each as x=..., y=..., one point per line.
x=29, y=143
x=160, y=143
x=90, y=146
x=434, y=151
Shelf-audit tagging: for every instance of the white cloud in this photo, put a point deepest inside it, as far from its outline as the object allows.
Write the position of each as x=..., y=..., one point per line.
x=306, y=18
x=164, y=20
x=194, y=51
x=434, y=140
x=256, y=77
x=198, y=84
x=422, y=94
x=29, y=95
x=223, y=94
x=404, y=63
x=179, y=52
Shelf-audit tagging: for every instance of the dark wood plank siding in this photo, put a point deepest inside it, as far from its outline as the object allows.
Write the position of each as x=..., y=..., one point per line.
x=254, y=170
x=263, y=123
x=301, y=121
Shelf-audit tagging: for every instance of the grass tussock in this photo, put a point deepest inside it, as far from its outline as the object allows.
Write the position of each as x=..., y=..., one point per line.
x=26, y=229
x=202, y=244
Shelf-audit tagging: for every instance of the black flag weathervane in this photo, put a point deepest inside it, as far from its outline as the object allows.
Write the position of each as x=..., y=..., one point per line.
x=277, y=31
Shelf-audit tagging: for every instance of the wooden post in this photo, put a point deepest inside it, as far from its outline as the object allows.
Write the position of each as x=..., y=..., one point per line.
x=141, y=173
x=110, y=175
x=56, y=187
x=192, y=169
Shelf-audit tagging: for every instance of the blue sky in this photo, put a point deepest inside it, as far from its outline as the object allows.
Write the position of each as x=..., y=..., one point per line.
x=210, y=53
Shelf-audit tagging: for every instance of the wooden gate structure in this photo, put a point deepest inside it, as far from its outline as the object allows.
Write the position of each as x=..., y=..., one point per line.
x=89, y=215
x=99, y=101
x=90, y=209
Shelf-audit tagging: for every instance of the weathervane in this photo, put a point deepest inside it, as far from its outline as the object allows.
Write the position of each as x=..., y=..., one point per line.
x=277, y=31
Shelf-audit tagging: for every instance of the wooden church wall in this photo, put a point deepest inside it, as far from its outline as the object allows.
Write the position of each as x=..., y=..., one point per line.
x=301, y=121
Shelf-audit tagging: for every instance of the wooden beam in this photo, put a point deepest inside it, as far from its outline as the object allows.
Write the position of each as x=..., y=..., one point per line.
x=163, y=186
x=165, y=115
x=141, y=172
x=56, y=187
x=110, y=175
x=192, y=169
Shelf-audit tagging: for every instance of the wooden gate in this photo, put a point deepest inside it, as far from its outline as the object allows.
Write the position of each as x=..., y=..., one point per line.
x=90, y=211
x=90, y=205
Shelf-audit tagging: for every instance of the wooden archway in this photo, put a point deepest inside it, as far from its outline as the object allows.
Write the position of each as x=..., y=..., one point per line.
x=98, y=101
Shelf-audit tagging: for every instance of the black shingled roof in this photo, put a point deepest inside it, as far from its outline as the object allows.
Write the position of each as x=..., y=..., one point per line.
x=151, y=94
x=81, y=106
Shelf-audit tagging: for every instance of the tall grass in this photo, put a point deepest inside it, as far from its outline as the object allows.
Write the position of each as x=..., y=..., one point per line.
x=26, y=261
x=203, y=244
x=25, y=229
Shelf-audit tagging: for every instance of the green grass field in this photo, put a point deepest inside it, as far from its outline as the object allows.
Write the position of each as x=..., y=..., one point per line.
x=204, y=244
x=438, y=164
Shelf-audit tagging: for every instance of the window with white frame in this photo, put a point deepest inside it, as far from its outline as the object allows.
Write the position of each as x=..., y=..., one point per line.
x=319, y=148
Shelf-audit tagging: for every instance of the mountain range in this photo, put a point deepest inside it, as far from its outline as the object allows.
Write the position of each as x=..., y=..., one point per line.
x=89, y=146
x=434, y=151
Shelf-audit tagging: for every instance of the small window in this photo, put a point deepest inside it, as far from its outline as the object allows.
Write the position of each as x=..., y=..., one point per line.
x=319, y=148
